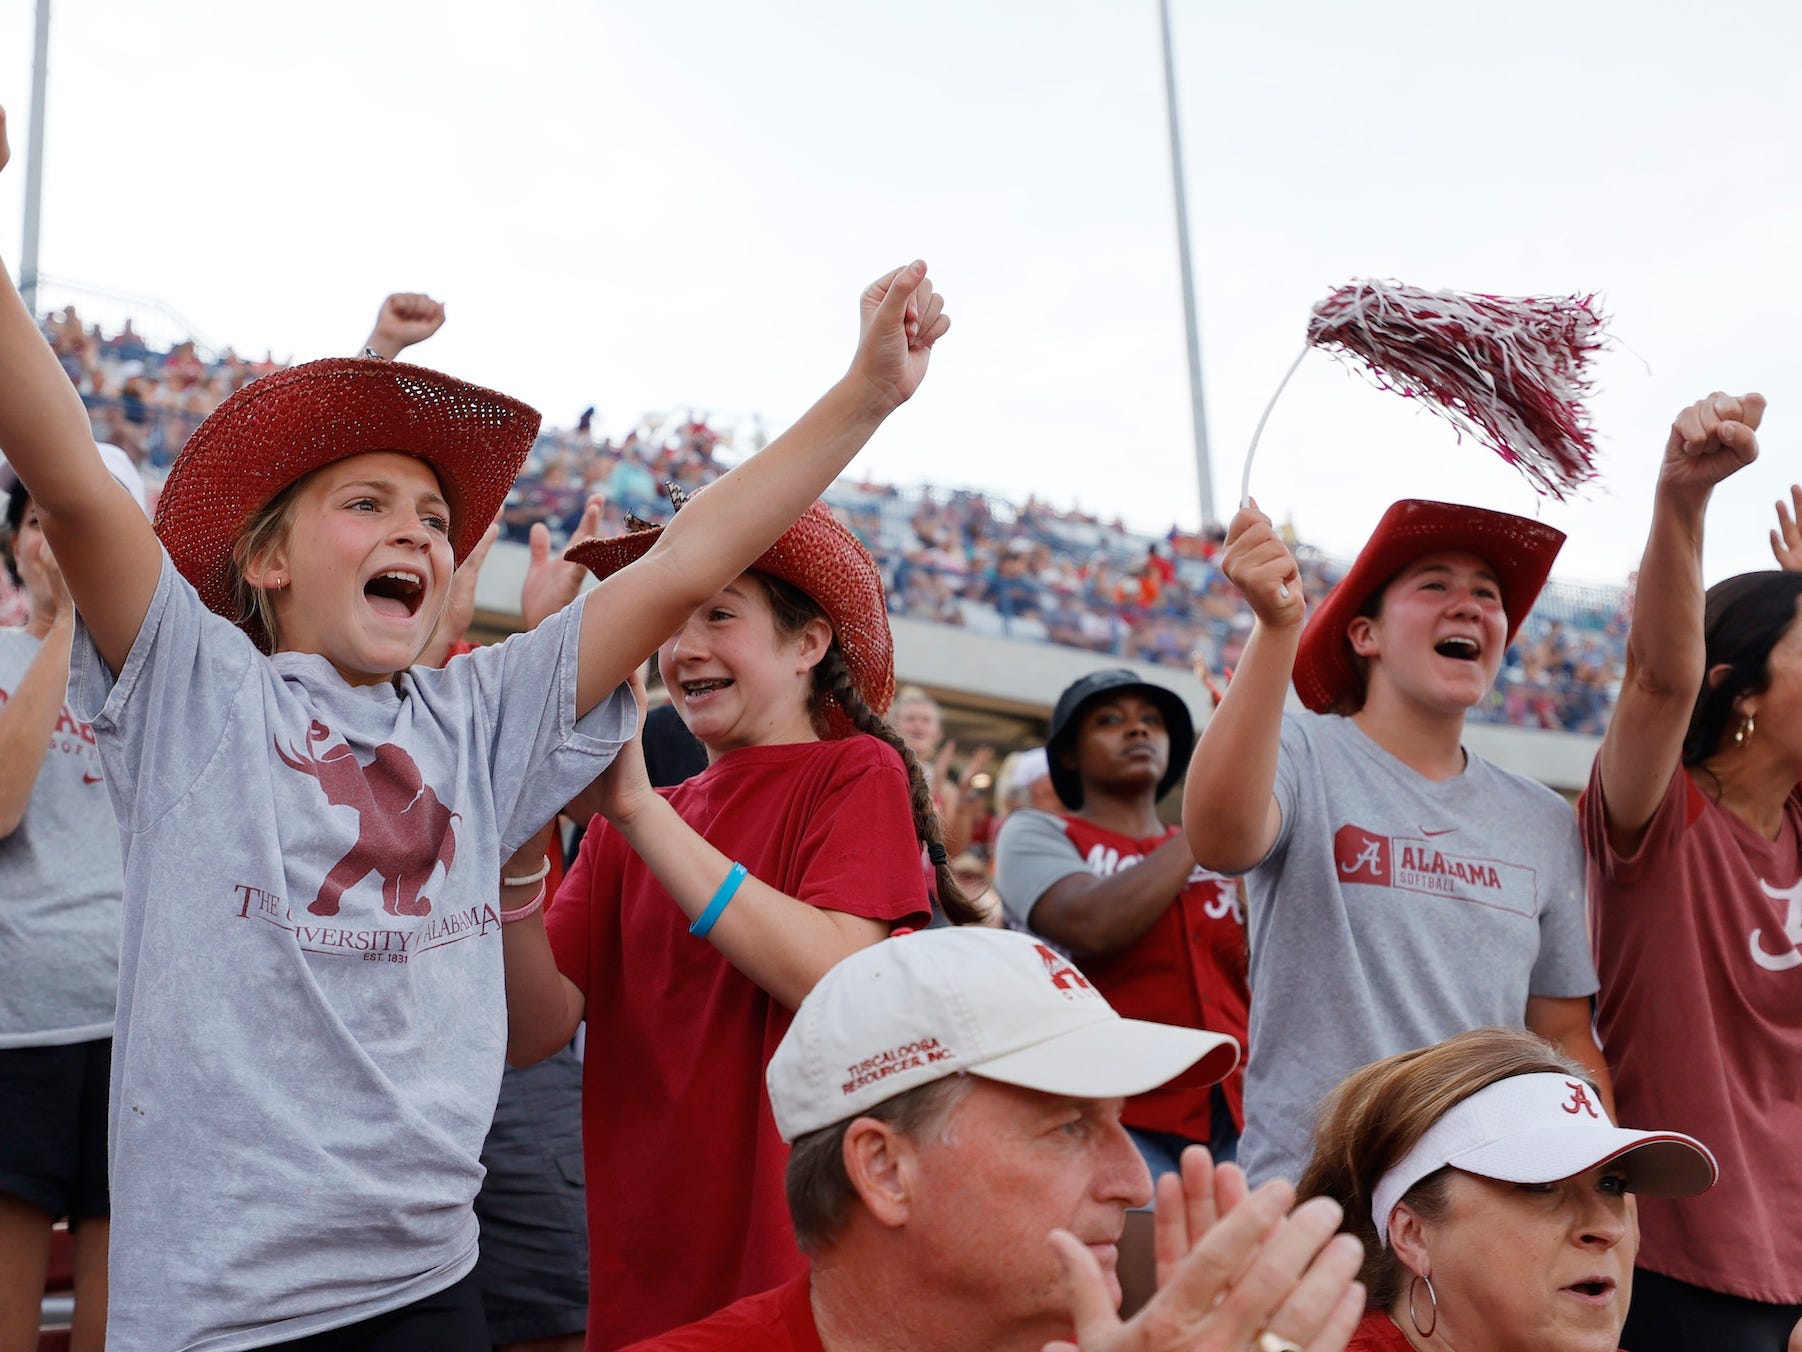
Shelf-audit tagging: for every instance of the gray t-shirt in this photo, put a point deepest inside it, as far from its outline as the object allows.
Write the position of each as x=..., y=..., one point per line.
x=312, y=1021
x=60, y=880
x=1391, y=913
x=1033, y=854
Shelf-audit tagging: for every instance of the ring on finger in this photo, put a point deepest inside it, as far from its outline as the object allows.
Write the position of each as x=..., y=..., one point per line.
x=1275, y=1342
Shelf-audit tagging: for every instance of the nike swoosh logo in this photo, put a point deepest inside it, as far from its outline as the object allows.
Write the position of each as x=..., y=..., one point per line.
x=1430, y=834
x=93, y=779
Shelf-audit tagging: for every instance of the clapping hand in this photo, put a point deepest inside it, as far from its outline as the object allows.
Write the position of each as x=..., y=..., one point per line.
x=551, y=581
x=1786, y=540
x=1232, y=1267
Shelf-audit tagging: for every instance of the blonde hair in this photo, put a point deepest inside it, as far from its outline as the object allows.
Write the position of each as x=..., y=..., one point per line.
x=252, y=608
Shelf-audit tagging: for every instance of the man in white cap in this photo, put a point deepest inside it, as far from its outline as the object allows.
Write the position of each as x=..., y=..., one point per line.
x=960, y=1177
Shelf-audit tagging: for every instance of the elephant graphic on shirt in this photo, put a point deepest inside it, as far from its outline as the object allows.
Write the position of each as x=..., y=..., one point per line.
x=404, y=831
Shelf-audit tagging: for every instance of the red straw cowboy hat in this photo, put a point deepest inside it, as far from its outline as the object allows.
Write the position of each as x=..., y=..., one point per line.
x=281, y=428
x=1520, y=551
x=825, y=560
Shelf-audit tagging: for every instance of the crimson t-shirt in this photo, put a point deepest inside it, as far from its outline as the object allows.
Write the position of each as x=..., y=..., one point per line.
x=772, y=1321
x=686, y=1210
x=1698, y=940
x=1377, y=1332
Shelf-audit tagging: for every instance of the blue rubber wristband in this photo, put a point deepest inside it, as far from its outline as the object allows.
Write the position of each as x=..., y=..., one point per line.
x=705, y=921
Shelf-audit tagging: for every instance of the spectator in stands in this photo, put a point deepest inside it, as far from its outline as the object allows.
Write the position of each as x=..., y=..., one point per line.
x=781, y=675
x=1115, y=887
x=976, y=879
x=1693, y=826
x=1490, y=1192
x=60, y=883
x=980, y=1117
x=1402, y=889
x=921, y=723
x=1029, y=783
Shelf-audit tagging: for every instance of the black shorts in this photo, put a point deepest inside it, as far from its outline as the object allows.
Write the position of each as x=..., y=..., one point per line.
x=53, y=1127
x=450, y=1321
x=1672, y=1316
x=533, y=1268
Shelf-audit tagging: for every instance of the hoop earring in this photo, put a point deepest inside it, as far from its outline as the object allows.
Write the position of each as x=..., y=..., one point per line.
x=1432, y=1296
x=1747, y=726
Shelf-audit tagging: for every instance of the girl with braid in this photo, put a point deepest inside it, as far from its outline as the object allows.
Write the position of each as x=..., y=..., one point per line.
x=813, y=811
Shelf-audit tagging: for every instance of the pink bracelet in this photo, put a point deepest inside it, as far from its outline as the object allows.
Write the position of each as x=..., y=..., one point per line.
x=530, y=908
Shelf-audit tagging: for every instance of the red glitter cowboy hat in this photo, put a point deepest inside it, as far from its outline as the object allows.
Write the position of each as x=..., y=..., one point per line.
x=1521, y=552
x=281, y=428
x=824, y=559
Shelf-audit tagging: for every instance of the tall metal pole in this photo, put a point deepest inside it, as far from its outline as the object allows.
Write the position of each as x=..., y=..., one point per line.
x=1204, y=470
x=34, y=163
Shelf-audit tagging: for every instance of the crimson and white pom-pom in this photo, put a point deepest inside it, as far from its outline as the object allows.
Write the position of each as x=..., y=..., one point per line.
x=1510, y=370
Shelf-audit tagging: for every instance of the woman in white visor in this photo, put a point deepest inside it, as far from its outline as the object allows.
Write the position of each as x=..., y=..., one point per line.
x=1493, y=1195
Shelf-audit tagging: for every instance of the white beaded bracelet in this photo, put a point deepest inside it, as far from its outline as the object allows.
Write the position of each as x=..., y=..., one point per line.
x=544, y=871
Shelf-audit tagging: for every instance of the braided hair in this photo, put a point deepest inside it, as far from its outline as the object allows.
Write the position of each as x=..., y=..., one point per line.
x=792, y=609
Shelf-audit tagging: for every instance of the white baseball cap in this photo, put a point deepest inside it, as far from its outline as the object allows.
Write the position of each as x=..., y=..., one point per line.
x=1005, y=1006
x=1540, y=1128
x=1030, y=766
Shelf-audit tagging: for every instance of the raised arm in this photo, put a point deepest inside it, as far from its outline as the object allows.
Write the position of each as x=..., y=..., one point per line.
x=1230, y=814
x=1711, y=439
x=107, y=551
x=406, y=318
x=722, y=531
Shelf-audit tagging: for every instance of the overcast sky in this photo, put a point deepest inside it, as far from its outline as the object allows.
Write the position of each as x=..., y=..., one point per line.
x=663, y=205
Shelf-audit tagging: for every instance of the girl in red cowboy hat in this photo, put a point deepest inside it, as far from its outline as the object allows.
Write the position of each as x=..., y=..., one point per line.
x=694, y=920
x=1401, y=888
x=311, y=1021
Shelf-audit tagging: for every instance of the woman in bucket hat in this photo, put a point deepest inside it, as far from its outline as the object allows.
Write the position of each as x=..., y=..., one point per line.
x=1109, y=882
x=1693, y=826
x=1494, y=1196
x=1401, y=889
x=813, y=810
x=311, y=1021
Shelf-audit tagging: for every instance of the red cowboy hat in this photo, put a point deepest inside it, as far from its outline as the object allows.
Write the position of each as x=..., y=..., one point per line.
x=281, y=428
x=1520, y=551
x=825, y=560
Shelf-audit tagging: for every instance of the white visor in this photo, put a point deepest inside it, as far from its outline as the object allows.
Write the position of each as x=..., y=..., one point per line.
x=1538, y=1129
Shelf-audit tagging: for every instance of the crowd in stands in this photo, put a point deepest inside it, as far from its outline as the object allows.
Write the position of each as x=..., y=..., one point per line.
x=952, y=556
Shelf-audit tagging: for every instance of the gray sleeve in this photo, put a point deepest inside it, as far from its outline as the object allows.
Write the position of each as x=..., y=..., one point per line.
x=540, y=754
x=170, y=706
x=1565, y=967
x=1031, y=856
x=1294, y=757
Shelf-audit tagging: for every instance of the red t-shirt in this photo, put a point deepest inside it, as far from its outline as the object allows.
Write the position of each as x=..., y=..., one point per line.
x=1696, y=940
x=1187, y=969
x=1377, y=1332
x=772, y=1321
x=686, y=1211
